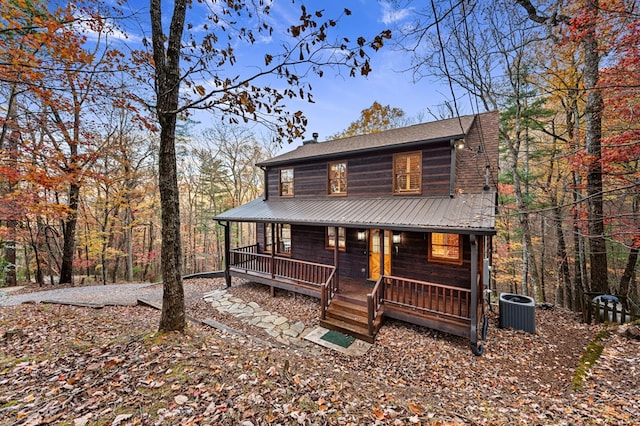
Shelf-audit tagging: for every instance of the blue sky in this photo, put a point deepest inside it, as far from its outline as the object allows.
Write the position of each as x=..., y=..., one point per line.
x=339, y=99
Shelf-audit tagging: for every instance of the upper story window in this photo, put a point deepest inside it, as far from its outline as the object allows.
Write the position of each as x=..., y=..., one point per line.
x=286, y=182
x=407, y=173
x=445, y=247
x=338, y=178
x=331, y=238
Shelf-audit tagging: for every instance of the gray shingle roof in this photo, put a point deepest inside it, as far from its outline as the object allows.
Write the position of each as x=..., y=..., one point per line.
x=466, y=213
x=452, y=128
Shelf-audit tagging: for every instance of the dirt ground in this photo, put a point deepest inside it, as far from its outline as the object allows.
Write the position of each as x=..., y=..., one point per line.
x=81, y=366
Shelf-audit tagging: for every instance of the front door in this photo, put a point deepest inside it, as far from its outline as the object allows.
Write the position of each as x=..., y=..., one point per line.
x=375, y=254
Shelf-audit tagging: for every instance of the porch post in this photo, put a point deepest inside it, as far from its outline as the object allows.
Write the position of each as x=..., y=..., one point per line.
x=273, y=249
x=474, y=295
x=381, y=238
x=227, y=253
x=336, y=257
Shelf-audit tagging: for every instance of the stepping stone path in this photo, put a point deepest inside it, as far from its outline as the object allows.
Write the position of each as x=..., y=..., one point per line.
x=280, y=328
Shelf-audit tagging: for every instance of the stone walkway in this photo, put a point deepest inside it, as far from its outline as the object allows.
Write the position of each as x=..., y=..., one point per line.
x=280, y=328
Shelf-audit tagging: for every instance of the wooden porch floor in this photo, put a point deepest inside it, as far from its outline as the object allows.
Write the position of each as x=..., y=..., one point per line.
x=354, y=290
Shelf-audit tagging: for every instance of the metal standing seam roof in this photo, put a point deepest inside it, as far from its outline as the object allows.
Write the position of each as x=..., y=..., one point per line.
x=418, y=133
x=464, y=213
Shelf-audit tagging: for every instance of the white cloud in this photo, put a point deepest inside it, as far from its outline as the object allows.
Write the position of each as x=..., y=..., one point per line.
x=391, y=15
x=109, y=30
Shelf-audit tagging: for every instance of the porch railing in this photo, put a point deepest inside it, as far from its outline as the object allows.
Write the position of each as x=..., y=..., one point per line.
x=427, y=298
x=248, y=260
x=418, y=297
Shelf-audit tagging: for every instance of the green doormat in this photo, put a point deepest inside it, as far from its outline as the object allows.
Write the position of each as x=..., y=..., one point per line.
x=338, y=338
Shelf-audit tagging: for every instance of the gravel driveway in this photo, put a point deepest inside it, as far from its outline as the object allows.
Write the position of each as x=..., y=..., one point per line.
x=111, y=294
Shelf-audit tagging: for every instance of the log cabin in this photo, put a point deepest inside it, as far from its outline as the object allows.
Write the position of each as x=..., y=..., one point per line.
x=394, y=224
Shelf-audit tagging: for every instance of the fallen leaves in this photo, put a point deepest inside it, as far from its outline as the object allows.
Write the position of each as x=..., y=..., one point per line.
x=181, y=399
x=109, y=366
x=416, y=409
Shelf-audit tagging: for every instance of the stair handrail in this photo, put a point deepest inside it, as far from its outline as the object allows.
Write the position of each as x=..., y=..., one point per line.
x=374, y=303
x=328, y=289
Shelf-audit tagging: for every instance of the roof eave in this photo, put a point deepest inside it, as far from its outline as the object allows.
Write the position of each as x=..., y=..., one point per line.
x=341, y=154
x=362, y=225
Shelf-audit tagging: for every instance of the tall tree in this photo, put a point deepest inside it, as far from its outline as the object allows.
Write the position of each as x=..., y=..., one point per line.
x=167, y=87
x=376, y=118
x=585, y=28
x=44, y=55
x=621, y=144
x=239, y=97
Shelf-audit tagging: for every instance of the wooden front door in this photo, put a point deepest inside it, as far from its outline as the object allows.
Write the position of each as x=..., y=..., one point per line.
x=375, y=252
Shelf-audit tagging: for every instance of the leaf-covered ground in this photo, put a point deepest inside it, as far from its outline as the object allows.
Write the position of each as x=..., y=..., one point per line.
x=81, y=366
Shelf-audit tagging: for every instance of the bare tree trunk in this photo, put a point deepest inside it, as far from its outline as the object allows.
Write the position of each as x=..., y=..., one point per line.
x=10, y=127
x=629, y=271
x=36, y=242
x=147, y=264
x=167, y=87
x=581, y=278
x=580, y=281
x=543, y=253
x=128, y=241
x=69, y=235
x=27, y=261
x=529, y=264
x=593, y=119
x=565, y=293
x=128, y=219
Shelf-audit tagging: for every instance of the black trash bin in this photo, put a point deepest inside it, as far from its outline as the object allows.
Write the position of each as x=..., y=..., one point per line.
x=517, y=312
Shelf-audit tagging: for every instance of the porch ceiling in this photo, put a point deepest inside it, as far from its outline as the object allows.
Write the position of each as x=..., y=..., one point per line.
x=465, y=213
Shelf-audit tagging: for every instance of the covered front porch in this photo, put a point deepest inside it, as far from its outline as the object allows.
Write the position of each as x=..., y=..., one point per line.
x=422, y=260
x=358, y=307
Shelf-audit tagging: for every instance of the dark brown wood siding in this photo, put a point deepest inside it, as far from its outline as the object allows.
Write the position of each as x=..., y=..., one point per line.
x=411, y=262
x=369, y=175
x=273, y=179
x=310, y=180
x=436, y=166
x=260, y=237
x=308, y=243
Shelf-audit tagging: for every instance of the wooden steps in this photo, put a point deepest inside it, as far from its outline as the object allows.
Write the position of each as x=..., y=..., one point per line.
x=350, y=317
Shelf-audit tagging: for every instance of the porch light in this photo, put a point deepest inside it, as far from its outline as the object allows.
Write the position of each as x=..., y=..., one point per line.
x=396, y=238
x=459, y=144
x=362, y=235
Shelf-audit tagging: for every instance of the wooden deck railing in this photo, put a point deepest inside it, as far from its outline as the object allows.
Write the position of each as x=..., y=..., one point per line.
x=427, y=298
x=284, y=269
x=248, y=260
x=253, y=248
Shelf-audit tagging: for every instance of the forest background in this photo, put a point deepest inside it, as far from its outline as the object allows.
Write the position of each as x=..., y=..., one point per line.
x=83, y=132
